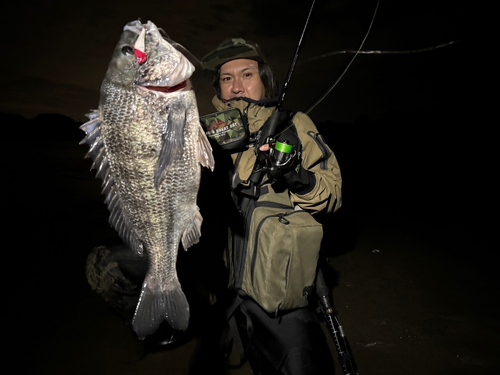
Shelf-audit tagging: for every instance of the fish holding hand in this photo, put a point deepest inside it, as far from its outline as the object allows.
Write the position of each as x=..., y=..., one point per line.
x=148, y=147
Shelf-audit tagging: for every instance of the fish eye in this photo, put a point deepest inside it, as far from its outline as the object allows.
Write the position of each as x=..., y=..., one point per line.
x=127, y=50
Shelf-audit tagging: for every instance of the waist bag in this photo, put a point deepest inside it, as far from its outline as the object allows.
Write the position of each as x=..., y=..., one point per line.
x=279, y=261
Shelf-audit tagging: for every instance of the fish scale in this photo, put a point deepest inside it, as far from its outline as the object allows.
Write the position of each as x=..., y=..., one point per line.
x=147, y=144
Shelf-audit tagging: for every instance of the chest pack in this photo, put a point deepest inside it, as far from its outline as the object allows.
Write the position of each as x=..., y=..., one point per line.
x=274, y=261
x=274, y=250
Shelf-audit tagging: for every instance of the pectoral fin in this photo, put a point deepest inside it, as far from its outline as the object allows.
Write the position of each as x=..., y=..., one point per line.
x=173, y=141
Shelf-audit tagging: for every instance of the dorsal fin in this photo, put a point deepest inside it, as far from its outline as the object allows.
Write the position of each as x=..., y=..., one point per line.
x=97, y=153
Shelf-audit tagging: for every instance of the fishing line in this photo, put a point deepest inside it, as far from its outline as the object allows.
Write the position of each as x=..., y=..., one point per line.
x=345, y=70
x=348, y=65
x=380, y=52
x=360, y=52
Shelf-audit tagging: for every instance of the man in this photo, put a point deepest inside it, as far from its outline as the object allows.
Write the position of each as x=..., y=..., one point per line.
x=288, y=341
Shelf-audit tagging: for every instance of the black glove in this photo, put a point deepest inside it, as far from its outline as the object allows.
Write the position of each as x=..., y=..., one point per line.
x=297, y=180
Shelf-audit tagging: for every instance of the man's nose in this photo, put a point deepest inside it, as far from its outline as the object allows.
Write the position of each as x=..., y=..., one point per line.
x=237, y=86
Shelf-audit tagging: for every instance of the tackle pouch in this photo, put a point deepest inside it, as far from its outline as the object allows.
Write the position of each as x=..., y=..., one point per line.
x=281, y=257
x=227, y=128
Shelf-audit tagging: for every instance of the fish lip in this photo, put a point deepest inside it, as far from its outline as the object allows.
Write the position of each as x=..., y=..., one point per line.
x=183, y=86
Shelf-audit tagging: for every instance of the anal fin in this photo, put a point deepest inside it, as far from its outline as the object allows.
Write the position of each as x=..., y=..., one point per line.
x=192, y=233
x=205, y=156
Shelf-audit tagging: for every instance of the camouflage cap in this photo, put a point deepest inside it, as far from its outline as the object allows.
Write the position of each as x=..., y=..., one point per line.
x=231, y=49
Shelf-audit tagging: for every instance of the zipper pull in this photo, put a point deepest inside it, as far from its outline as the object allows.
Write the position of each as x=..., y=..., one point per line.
x=282, y=220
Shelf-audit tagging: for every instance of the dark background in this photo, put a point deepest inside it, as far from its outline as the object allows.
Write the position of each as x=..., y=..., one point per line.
x=411, y=251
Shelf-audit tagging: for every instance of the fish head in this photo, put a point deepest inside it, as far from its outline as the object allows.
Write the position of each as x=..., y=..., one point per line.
x=144, y=58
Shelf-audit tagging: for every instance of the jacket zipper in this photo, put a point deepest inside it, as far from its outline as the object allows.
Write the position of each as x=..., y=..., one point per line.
x=322, y=146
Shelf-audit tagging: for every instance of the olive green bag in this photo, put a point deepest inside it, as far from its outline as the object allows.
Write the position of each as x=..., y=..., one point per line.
x=281, y=257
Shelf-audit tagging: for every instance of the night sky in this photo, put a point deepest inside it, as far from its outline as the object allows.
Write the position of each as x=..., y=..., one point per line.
x=56, y=52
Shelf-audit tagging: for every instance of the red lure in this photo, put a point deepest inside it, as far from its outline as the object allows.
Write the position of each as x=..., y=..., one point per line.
x=141, y=57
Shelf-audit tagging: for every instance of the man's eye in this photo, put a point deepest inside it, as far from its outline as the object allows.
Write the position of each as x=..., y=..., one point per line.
x=225, y=79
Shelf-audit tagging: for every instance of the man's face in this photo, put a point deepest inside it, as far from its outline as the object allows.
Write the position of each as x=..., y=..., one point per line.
x=240, y=79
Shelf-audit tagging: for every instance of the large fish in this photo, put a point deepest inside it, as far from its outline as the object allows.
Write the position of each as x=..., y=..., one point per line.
x=147, y=145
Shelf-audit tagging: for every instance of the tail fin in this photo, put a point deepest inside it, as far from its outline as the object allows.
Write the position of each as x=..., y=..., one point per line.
x=157, y=303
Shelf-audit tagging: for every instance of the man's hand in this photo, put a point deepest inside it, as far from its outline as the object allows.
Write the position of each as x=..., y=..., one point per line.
x=299, y=180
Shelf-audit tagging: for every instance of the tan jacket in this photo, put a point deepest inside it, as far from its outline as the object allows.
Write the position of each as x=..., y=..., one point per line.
x=317, y=157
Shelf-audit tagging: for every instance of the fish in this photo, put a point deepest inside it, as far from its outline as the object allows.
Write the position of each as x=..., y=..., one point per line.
x=148, y=147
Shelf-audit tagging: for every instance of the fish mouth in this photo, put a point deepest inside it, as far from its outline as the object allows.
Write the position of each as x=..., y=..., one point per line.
x=167, y=89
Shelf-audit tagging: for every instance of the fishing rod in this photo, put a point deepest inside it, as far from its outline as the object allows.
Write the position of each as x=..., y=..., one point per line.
x=267, y=134
x=346, y=359
x=294, y=61
x=358, y=51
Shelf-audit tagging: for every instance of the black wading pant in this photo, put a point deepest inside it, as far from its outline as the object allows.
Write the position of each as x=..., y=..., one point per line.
x=291, y=344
